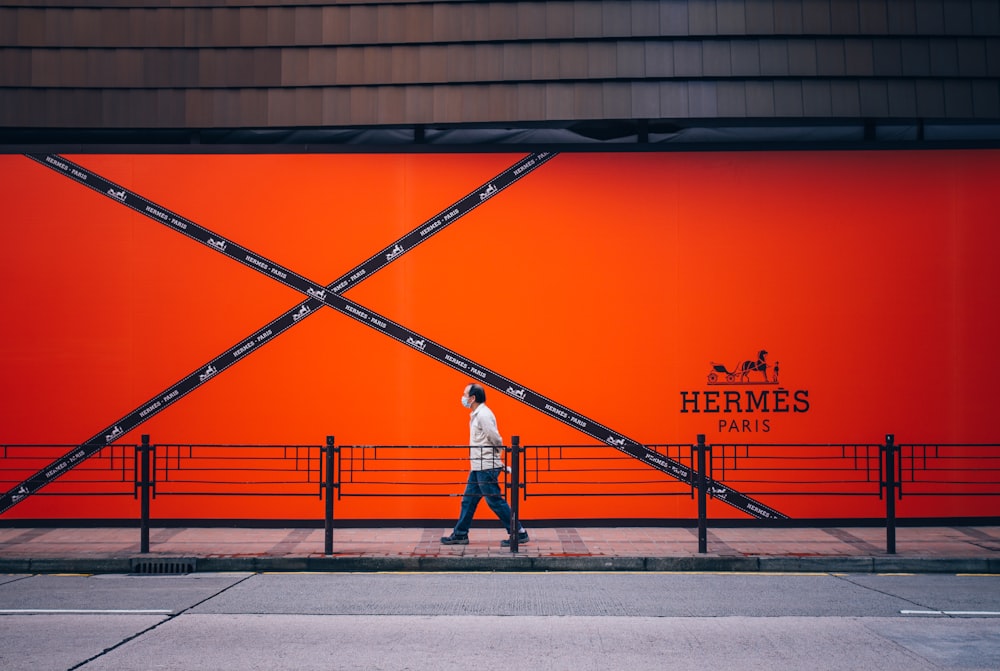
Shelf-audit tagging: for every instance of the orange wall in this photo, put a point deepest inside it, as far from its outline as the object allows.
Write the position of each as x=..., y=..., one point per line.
x=608, y=282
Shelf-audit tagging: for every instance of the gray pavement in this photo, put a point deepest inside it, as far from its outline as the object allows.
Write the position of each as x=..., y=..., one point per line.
x=948, y=549
x=517, y=620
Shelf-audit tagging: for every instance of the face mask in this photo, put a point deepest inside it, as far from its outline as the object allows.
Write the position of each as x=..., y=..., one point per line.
x=466, y=402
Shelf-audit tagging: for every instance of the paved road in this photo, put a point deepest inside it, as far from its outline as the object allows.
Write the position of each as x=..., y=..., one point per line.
x=547, y=621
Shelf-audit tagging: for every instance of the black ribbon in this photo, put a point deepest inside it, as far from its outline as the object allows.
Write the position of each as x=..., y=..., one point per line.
x=330, y=296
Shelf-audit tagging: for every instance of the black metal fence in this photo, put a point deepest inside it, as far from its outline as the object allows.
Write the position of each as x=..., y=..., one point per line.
x=883, y=473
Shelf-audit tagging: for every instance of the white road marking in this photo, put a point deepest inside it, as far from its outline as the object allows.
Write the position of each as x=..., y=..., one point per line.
x=79, y=611
x=977, y=613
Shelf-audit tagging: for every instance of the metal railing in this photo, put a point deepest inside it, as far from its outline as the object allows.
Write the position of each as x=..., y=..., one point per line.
x=225, y=470
x=402, y=470
x=887, y=471
x=111, y=471
x=883, y=473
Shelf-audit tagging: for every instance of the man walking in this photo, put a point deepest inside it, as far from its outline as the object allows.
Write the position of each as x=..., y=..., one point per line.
x=484, y=470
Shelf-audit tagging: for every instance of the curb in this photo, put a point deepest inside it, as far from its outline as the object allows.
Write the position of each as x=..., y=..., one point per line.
x=513, y=563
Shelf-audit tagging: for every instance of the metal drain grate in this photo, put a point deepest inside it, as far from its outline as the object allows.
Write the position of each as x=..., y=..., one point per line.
x=163, y=566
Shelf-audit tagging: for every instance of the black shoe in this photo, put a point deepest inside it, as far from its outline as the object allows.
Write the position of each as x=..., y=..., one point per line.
x=521, y=538
x=454, y=540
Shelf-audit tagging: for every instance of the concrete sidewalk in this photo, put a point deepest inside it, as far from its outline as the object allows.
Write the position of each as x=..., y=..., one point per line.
x=957, y=549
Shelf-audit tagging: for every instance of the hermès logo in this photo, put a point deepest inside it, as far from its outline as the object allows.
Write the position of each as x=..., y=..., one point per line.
x=753, y=405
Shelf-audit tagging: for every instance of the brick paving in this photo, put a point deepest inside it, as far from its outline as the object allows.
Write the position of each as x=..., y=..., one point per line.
x=958, y=549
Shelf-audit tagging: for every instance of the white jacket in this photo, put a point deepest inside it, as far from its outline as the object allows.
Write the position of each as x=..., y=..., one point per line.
x=484, y=440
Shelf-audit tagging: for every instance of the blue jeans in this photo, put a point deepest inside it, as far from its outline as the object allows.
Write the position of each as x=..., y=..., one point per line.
x=482, y=484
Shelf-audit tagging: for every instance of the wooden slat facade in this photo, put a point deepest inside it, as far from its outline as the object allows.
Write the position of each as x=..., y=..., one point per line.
x=203, y=64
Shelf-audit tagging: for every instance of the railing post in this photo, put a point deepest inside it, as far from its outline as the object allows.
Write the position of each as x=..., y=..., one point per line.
x=145, y=484
x=515, y=486
x=701, y=448
x=329, y=451
x=889, y=457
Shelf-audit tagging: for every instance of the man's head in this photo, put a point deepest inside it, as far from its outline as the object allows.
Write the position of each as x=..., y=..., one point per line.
x=474, y=395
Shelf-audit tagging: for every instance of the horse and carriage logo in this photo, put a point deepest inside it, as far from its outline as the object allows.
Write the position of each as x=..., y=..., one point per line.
x=490, y=190
x=745, y=372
